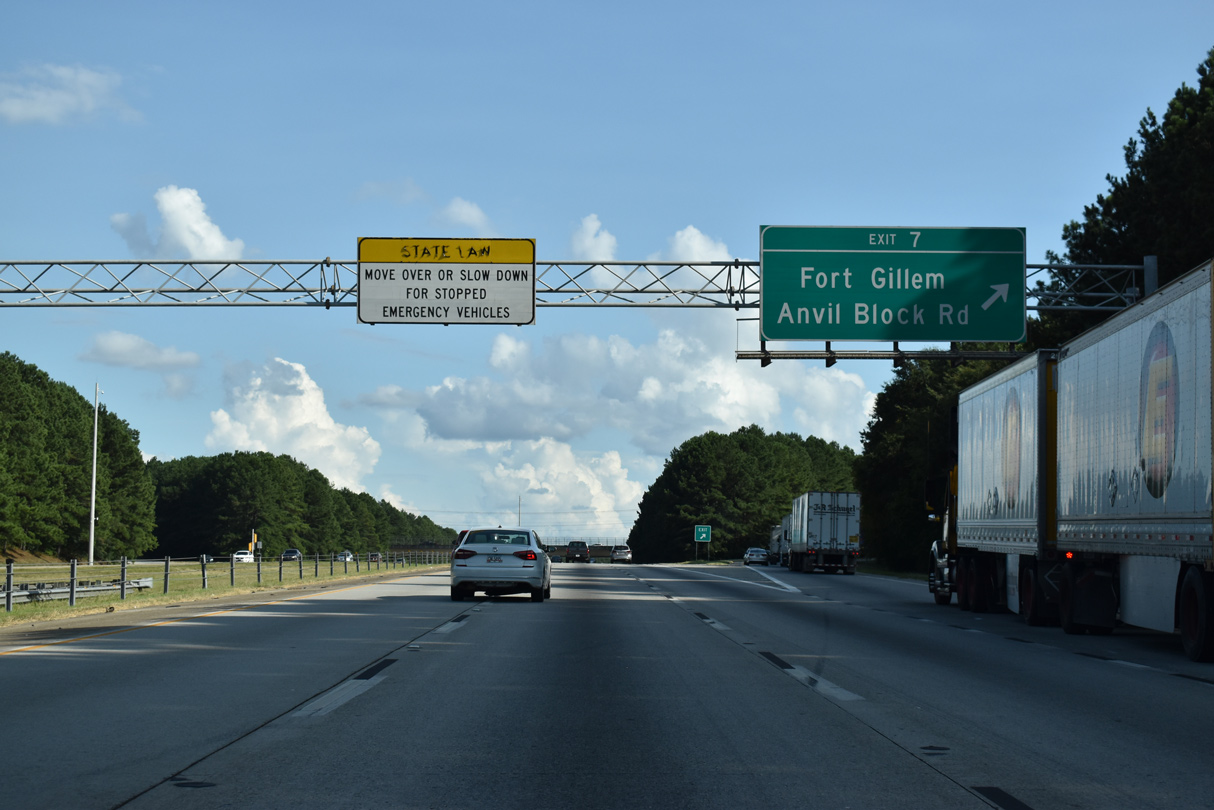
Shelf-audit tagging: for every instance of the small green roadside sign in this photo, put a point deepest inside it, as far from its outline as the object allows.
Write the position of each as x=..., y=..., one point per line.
x=703, y=534
x=875, y=283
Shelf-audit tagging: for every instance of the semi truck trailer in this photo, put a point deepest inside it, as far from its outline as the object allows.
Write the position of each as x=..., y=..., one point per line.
x=824, y=532
x=1082, y=492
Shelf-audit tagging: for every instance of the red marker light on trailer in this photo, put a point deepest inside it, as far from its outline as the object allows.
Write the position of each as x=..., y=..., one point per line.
x=1070, y=555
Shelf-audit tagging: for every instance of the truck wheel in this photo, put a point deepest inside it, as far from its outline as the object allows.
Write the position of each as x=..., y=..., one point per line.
x=942, y=598
x=1197, y=616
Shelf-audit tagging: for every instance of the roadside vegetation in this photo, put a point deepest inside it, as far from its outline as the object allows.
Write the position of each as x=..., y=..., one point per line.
x=186, y=581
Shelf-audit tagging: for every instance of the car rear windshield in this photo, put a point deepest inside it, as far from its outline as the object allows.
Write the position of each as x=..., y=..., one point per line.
x=621, y=548
x=498, y=538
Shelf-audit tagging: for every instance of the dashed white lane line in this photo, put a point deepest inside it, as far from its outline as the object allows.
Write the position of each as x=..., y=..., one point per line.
x=336, y=696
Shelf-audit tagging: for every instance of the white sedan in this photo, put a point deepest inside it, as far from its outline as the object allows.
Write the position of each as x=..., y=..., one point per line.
x=501, y=561
x=242, y=556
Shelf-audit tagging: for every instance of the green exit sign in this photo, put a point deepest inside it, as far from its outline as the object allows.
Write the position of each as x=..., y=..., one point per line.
x=703, y=534
x=913, y=284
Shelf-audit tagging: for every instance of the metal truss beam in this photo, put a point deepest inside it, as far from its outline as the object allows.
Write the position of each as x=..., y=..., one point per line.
x=327, y=283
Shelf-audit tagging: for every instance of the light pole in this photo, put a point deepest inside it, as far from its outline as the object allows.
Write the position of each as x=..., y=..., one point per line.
x=93, y=498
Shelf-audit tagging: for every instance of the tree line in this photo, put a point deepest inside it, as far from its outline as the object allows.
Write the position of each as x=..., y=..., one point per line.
x=179, y=508
x=214, y=504
x=46, y=448
x=741, y=484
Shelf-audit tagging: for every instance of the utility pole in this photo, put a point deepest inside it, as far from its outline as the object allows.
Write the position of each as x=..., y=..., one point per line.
x=93, y=498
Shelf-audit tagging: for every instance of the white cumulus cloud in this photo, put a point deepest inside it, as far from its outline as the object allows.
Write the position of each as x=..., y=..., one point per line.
x=57, y=94
x=692, y=245
x=131, y=351
x=566, y=493
x=591, y=242
x=279, y=408
x=187, y=231
x=461, y=213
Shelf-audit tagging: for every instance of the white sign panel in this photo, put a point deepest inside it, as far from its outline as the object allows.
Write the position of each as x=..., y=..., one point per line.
x=446, y=281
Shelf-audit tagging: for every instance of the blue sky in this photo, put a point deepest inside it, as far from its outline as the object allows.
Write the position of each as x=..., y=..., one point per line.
x=630, y=131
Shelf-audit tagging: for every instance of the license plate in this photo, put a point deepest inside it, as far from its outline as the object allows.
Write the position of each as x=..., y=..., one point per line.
x=493, y=559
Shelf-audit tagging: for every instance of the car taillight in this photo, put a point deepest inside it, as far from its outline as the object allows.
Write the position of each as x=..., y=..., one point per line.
x=464, y=553
x=525, y=555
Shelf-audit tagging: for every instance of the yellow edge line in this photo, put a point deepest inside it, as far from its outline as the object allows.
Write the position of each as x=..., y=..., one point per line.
x=190, y=618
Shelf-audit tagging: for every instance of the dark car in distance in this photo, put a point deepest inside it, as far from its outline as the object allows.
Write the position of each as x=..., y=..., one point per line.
x=291, y=555
x=577, y=551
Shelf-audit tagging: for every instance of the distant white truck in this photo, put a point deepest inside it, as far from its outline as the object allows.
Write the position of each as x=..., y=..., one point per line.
x=824, y=532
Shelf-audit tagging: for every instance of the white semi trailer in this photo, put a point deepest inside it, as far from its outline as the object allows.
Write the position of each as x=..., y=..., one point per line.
x=824, y=532
x=1083, y=481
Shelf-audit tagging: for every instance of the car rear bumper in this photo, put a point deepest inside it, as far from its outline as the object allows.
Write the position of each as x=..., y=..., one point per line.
x=498, y=581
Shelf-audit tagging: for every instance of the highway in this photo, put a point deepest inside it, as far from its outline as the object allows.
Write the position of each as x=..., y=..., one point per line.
x=634, y=687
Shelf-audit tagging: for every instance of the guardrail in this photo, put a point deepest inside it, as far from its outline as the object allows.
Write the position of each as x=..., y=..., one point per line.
x=43, y=591
x=37, y=582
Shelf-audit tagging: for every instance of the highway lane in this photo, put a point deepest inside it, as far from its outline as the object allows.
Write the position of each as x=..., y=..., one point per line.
x=92, y=719
x=1042, y=718
x=610, y=695
x=637, y=686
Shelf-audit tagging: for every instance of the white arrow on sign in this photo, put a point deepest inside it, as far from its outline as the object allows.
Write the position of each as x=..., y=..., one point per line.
x=1000, y=292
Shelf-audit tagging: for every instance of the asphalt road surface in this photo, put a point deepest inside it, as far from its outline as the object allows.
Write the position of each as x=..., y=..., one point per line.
x=634, y=687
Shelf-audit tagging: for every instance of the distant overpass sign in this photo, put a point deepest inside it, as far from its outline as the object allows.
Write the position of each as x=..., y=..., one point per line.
x=446, y=281
x=876, y=283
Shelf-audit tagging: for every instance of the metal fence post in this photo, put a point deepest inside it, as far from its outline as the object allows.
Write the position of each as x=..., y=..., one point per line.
x=166, y=574
x=203, y=559
x=8, y=585
x=280, y=568
x=301, y=566
x=316, y=574
x=258, y=569
x=122, y=584
x=232, y=570
x=71, y=591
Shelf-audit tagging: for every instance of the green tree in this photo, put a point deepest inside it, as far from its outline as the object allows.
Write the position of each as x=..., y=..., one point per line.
x=126, y=523
x=1163, y=206
x=741, y=484
x=909, y=443
x=46, y=466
